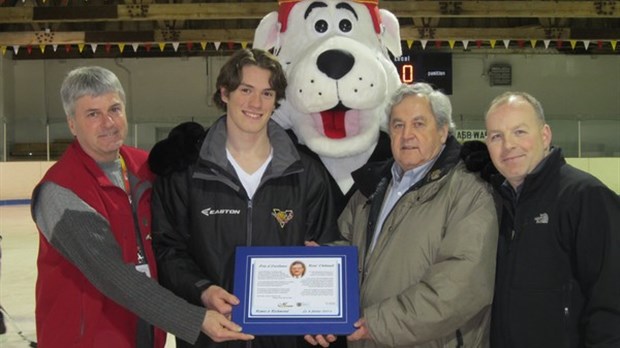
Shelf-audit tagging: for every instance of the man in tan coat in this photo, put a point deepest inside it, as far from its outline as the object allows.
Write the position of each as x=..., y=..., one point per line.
x=426, y=230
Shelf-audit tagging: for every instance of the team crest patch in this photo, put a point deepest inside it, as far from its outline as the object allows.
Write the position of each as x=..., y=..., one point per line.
x=282, y=216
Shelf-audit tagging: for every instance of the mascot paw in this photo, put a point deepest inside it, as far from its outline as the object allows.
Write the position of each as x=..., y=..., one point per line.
x=476, y=157
x=179, y=150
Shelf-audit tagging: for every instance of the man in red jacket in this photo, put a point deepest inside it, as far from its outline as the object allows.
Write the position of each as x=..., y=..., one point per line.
x=96, y=270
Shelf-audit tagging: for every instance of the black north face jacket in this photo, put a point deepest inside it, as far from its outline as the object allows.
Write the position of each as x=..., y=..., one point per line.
x=201, y=214
x=558, y=265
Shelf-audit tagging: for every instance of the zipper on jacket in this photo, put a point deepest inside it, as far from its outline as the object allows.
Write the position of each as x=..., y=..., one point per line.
x=248, y=220
x=567, y=294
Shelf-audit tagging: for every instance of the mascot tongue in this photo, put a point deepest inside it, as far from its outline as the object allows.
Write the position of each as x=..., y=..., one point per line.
x=333, y=122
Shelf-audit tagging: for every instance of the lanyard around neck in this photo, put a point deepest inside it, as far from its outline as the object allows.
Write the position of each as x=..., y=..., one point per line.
x=141, y=254
x=125, y=177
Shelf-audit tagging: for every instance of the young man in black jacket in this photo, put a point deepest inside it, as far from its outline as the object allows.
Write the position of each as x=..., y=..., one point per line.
x=249, y=186
x=558, y=266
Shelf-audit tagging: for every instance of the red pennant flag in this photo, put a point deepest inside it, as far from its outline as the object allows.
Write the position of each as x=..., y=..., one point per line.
x=189, y=45
x=231, y=45
x=478, y=43
x=147, y=47
x=558, y=43
x=107, y=47
x=521, y=43
x=67, y=48
x=438, y=43
x=29, y=49
x=599, y=44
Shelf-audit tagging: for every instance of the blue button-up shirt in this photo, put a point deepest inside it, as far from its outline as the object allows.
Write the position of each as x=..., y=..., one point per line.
x=401, y=182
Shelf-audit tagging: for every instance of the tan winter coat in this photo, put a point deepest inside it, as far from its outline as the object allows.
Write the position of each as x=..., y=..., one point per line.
x=429, y=280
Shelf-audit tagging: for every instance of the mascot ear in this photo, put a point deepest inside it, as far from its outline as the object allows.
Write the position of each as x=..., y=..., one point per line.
x=266, y=35
x=390, y=35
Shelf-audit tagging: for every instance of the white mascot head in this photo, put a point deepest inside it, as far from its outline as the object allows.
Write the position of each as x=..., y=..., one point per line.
x=340, y=76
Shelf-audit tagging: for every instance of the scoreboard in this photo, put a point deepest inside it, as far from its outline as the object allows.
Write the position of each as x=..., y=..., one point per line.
x=432, y=68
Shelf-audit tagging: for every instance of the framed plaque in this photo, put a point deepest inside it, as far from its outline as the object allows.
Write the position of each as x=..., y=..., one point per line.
x=296, y=290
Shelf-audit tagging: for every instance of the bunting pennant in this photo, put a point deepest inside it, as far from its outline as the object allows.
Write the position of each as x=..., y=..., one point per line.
x=93, y=47
x=162, y=45
x=80, y=47
x=135, y=46
x=67, y=48
x=437, y=43
x=599, y=43
x=558, y=43
x=147, y=47
x=586, y=44
x=409, y=43
x=3, y=48
x=54, y=47
x=492, y=42
x=244, y=44
x=451, y=43
x=231, y=45
x=613, y=44
x=189, y=45
x=423, y=42
x=547, y=43
x=217, y=45
x=533, y=43
x=506, y=43
x=42, y=48
x=107, y=47
x=29, y=49
x=16, y=49
x=478, y=43
x=465, y=43
x=121, y=47
x=175, y=46
x=203, y=44
x=573, y=43
x=521, y=43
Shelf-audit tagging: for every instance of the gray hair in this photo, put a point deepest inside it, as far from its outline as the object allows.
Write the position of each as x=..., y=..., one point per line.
x=506, y=97
x=439, y=102
x=90, y=80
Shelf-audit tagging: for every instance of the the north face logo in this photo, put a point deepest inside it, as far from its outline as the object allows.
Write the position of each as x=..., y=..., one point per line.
x=543, y=218
x=282, y=216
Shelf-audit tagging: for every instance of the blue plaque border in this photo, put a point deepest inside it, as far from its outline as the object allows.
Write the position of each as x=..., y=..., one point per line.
x=297, y=325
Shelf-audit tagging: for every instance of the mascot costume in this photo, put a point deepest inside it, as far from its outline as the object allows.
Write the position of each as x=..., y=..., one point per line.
x=340, y=78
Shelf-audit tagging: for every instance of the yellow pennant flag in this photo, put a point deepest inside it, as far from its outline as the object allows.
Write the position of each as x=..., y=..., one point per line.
x=451, y=43
x=573, y=43
x=203, y=44
x=533, y=43
x=42, y=48
x=492, y=43
x=161, y=46
x=613, y=44
x=3, y=49
x=244, y=44
x=80, y=47
x=121, y=47
x=409, y=43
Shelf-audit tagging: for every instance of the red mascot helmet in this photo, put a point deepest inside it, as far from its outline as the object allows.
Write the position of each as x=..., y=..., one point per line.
x=287, y=5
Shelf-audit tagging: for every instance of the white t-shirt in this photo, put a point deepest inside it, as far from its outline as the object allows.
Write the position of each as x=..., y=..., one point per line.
x=249, y=181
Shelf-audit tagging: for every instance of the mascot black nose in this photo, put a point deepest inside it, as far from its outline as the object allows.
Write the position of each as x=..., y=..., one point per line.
x=335, y=63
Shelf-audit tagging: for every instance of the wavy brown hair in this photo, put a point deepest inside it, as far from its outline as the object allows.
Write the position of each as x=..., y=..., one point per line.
x=231, y=73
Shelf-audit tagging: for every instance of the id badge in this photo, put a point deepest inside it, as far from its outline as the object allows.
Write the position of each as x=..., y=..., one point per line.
x=144, y=268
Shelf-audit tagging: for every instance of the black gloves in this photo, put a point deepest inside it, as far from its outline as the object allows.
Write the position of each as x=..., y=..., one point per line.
x=476, y=157
x=179, y=150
